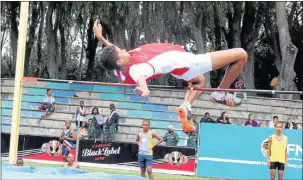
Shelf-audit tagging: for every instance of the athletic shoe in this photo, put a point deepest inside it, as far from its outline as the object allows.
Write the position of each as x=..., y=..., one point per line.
x=184, y=113
x=221, y=98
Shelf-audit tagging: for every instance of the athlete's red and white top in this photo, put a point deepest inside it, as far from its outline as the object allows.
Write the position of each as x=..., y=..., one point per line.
x=154, y=60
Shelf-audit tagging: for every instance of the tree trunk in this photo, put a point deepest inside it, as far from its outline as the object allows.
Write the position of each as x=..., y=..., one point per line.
x=288, y=52
x=39, y=42
x=82, y=50
x=51, y=35
x=63, y=51
x=31, y=35
x=237, y=17
x=14, y=29
x=218, y=74
x=249, y=34
x=269, y=25
x=92, y=43
x=146, y=25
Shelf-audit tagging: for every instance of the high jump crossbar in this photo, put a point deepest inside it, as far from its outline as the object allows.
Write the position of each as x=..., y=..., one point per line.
x=172, y=87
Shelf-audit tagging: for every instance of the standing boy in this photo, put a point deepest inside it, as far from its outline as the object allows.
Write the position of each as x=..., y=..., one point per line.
x=145, y=143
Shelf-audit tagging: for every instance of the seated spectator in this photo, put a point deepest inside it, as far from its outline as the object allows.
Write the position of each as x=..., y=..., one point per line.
x=261, y=125
x=19, y=162
x=70, y=162
x=91, y=129
x=192, y=141
x=223, y=119
x=290, y=124
x=49, y=103
x=111, y=125
x=299, y=127
x=83, y=132
x=251, y=121
x=171, y=138
x=272, y=123
x=80, y=114
x=207, y=119
x=240, y=84
x=98, y=122
x=68, y=137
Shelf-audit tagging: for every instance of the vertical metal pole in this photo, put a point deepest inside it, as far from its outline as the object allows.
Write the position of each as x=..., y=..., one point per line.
x=14, y=138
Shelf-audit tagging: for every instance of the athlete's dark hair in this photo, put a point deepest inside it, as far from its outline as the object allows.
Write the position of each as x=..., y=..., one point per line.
x=275, y=117
x=145, y=120
x=108, y=58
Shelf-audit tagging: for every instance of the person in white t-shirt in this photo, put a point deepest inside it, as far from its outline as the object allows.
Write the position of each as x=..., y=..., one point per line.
x=81, y=114
x=272, y=123
x=49, y=103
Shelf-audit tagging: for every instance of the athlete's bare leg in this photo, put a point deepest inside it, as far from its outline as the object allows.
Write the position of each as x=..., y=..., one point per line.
x=272, y=174
x=184, y=111
x=236, y=59
x=280, y=174
x=197, y=82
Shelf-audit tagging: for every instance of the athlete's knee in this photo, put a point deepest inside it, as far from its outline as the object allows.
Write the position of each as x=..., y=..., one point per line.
x=149, y=170
x=242, y=54
x=198, y=81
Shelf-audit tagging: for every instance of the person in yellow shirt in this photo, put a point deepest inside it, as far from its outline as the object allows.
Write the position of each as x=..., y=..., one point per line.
x=277, y=152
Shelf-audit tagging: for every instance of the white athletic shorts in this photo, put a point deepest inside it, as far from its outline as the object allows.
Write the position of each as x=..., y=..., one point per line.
x=167, y=62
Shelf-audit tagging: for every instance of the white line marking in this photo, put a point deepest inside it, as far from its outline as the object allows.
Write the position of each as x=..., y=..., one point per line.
x=229, y=160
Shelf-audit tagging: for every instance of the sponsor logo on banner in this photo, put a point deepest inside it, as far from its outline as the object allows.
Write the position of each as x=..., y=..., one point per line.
x=52, y=148
x=175, y=158
x=100, y=151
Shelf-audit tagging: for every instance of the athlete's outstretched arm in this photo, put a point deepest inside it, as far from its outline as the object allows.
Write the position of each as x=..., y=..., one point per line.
x=98, y=33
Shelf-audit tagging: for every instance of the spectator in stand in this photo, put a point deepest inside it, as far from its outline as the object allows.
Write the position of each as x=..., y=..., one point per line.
x=19, y=162
x=223, y=119
x=80, y=114
x=171, y=138
x=98, y=122
x=261, y=125
x=272, y=123
x=192, y=141
x=194, y=122
x=207, y=119
x=240, y=84
x=251, y=121
x=299, y=127
x=91, y=129
x=70, y=162
x=83, y=132
x=68, y=137
x=111, y=126
x=290, y=124
x=49, y=103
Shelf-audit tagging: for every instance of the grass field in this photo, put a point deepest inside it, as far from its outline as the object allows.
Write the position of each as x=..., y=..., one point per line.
x=157, y=176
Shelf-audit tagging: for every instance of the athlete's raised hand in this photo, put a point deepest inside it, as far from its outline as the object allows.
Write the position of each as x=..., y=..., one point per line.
x=141, y=92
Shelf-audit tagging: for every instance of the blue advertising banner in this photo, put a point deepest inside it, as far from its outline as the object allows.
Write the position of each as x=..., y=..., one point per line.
x=239, y=152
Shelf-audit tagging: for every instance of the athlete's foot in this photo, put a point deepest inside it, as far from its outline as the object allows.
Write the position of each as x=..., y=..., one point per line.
x=184, y=113
x=225, y=99
x=186, y=106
